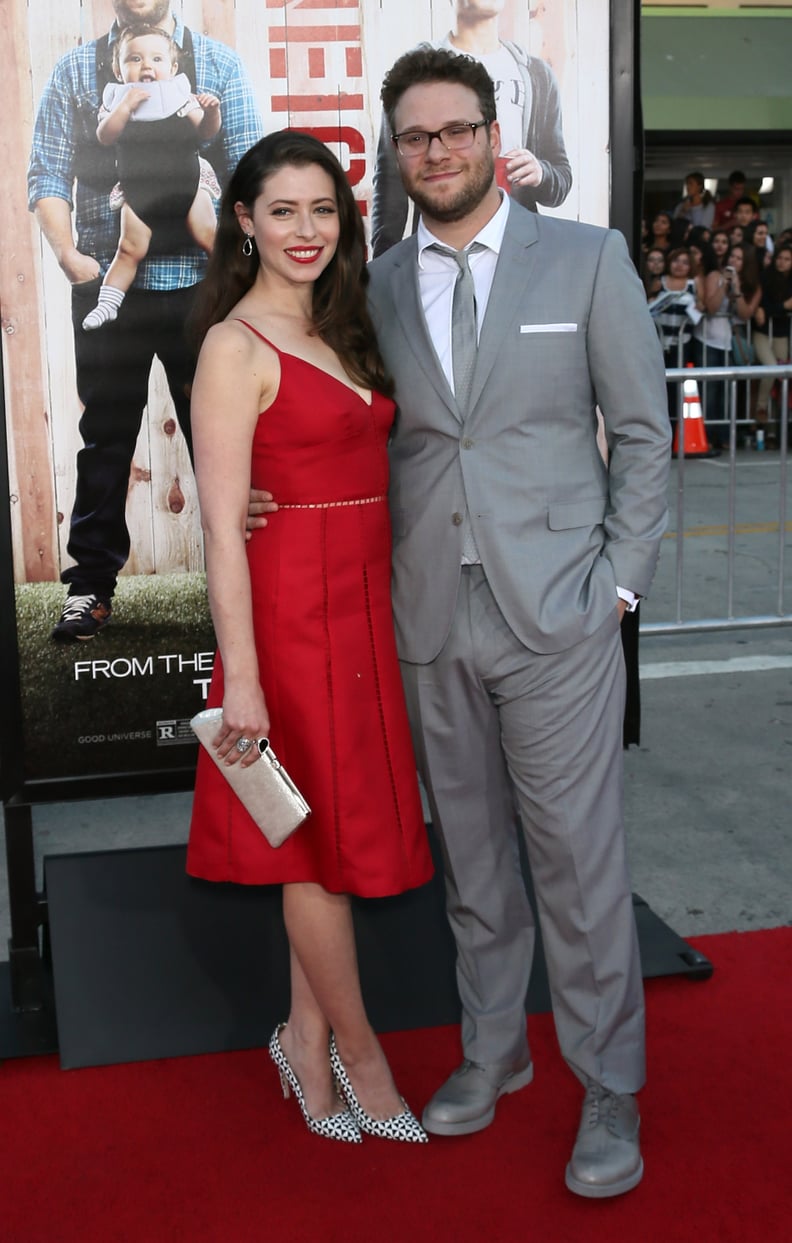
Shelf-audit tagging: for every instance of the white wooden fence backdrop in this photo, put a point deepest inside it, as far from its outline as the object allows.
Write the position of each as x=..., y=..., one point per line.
x=313, y=64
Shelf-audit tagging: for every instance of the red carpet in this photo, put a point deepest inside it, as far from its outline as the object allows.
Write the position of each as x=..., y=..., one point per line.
x=204, y=1149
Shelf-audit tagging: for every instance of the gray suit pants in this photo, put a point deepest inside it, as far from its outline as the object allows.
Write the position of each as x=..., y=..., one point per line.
x=501, y=731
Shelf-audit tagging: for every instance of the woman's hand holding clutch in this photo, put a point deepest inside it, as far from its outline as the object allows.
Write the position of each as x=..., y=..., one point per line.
x=245, y=720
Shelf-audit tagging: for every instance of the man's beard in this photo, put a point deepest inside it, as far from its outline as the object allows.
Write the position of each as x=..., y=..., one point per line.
x=464, y=202
x=158, y=12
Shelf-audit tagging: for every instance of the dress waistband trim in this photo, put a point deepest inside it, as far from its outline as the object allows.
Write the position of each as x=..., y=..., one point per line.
x=365, y=500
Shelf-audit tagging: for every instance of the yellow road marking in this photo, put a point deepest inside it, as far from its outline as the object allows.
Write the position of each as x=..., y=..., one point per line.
x=745, y=528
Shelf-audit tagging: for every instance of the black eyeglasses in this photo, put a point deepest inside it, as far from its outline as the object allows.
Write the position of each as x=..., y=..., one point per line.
x=457, y=137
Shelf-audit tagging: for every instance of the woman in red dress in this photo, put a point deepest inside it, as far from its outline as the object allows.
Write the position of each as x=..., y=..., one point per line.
x=290, y=392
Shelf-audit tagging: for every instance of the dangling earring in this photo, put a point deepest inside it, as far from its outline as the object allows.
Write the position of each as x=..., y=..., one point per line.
x=247, y=246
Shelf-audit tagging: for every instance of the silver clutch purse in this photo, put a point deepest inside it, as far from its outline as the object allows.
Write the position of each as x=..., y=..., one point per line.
x=265, y=788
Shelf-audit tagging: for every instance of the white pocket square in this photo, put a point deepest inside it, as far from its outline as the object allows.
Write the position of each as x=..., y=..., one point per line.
x=548, y=327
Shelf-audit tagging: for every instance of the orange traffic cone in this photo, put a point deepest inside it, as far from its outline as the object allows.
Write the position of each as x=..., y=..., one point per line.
x=694, y=432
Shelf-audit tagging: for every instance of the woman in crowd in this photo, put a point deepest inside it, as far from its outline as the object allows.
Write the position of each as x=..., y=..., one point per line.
x=712, y=340
x=290, y=392
x=758, y=235
x=694, y=249
x=697, y=235
x=698, y=205
x=720, y=243
x=745, y=284
x=746, y=292
x=673, y=315
x=697, y=240
x=652, y=271
x=674, y=310
x=660, y=232
x=772, y=324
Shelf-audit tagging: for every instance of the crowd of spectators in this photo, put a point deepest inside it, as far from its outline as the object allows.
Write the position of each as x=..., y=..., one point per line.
x=719, y=287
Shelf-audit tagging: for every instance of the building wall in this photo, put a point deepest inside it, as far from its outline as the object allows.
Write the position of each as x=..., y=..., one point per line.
x=717, y=95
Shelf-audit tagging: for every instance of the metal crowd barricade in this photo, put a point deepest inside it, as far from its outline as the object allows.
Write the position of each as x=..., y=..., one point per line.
x=731, y=377
x=746, y=344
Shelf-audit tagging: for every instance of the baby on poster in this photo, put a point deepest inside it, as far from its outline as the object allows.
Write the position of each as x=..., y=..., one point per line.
x=154, y=120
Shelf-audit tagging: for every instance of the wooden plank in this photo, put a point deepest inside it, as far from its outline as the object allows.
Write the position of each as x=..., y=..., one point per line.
x=217, y=19
x=21, y=325
x=158, y=520
x=53, y=29
x=62, y=394
x=162, y=502
x=17, y=551
x=591, y=164
x=138, y=506
x=174, y=498
x=253, y=48
x=99, y=17
x=553, y=36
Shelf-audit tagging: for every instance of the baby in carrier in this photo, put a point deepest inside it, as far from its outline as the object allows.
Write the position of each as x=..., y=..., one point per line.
x=156, y=122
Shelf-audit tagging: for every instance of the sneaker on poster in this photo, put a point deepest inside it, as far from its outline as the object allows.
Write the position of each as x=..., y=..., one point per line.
x=82, y=618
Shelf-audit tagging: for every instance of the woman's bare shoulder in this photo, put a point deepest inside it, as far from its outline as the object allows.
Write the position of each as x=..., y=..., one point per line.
x=229, y=334
x=231, y=342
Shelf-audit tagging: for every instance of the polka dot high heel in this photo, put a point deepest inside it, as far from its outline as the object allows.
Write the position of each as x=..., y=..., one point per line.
x=338, y=1126
x=404, y=1126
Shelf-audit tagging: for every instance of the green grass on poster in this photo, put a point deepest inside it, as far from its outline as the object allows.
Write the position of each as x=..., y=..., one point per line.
x=94, y=706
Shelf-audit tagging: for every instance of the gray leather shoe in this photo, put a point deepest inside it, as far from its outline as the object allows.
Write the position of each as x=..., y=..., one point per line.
x=606, y=1159
x=466, y=1101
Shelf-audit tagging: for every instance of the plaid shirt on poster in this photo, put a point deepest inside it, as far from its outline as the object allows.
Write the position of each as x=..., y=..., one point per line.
x=67, y=117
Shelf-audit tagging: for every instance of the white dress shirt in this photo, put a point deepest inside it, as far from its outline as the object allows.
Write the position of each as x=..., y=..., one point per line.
x=437, y=276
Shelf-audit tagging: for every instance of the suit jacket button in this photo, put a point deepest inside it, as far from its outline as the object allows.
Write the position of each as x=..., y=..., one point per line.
x=467, y=443
x=457, y=520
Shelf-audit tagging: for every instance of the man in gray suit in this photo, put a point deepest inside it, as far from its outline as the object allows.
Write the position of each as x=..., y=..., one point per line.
x=516, y=552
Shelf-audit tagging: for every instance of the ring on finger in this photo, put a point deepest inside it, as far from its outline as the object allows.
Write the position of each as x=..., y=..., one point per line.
x=243, y=745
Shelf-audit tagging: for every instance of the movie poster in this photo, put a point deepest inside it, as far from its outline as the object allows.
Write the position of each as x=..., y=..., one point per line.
x=102, y=498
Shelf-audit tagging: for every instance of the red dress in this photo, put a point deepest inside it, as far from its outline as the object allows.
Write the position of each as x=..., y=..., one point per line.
x=320, y=575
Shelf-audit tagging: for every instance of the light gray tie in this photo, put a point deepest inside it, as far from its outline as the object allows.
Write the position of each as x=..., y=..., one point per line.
x=464, y=348
x=464, y=330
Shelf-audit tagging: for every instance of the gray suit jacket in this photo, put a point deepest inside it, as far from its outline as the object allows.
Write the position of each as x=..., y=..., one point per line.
x=566, y=329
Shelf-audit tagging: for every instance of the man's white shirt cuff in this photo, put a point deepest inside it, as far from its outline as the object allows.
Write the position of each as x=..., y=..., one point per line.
x=629, y=598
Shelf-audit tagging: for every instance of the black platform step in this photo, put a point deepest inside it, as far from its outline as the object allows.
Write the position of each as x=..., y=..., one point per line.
x=149, y=963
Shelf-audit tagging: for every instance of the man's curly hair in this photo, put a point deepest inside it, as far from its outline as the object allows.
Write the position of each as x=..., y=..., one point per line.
x=427, y=64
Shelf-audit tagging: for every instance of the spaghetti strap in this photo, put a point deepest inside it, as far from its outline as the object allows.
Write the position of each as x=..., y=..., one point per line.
x=305, y=362
x=256, y=332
